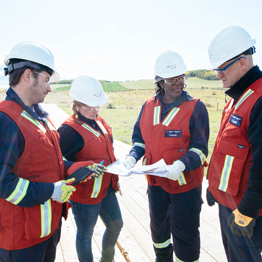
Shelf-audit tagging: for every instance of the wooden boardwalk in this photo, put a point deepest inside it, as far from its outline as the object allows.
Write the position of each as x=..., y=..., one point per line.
x=134, y=243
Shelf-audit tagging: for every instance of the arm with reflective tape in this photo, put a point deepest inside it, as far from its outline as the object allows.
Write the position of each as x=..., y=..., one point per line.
x=16, y=190
x=199, y=131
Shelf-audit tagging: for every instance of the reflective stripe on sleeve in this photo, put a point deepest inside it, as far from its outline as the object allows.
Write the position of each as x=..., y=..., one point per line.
x=90, y=129
x=170, y=116
x=244, y=97
x=182, y=180
x=102, y=127
x=19, y=192
x=226, y=173
x=46, y=218
x=162, y=245
x=200, y=154
x=97, y=187
x=156, y=120
x=33, y=120
x=139, y=144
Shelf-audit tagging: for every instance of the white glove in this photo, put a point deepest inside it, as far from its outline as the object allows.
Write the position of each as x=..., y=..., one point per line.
x=129, y=162
x=63, y=190
x=175, y=170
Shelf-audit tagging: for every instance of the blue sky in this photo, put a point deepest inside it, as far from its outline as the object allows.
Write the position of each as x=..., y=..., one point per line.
x=120, y=40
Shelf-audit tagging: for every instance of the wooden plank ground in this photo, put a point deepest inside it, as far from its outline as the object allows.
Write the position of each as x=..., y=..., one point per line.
x=135, y=240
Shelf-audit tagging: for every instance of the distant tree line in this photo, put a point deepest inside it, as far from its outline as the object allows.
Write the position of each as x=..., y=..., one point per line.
x=204, y=74
x=63, y=82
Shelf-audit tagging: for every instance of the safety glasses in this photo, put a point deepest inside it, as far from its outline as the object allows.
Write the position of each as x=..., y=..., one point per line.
x=47, y=78
x=226, y=67
x=170, y=81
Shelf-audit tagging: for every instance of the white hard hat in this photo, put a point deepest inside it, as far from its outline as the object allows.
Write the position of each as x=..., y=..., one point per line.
x=169, y=64
x=88, y=90
x=33, y=52
x=228, y=43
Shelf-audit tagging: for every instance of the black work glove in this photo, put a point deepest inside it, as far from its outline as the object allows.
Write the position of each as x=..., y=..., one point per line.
x=241, y=225
x=210, y=199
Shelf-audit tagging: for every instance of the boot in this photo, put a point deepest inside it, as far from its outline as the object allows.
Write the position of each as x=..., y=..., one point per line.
x=102, y=260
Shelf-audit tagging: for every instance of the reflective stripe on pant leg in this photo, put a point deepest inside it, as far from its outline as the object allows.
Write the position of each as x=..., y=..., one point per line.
x=178, y=260
x=162, y=245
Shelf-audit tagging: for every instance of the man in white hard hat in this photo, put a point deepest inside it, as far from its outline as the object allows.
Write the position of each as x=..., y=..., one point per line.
x=174, y=126
x=33, y=192
x=235, y=170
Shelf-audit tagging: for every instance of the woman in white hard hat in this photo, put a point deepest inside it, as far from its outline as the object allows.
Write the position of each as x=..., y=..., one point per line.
x=86, y=136
x=174, y=126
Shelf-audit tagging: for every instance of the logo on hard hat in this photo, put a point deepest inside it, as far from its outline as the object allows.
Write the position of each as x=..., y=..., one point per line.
x=171, y=66
x=98, y=94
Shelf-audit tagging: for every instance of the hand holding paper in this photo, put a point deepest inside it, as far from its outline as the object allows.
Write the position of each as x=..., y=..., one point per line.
x=157, y=169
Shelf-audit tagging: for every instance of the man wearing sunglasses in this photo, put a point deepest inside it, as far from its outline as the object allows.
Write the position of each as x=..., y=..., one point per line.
x=235, y=170
x=174, y=126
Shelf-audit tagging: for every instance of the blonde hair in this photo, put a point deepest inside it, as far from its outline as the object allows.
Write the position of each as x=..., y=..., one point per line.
x=75, y=111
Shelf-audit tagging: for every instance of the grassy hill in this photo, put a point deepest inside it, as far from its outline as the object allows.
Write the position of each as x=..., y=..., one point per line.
x=108, y=87
x=191, y=82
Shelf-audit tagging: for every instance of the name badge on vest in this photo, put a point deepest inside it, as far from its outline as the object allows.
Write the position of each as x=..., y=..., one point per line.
x=173, y=133
x=235, y=120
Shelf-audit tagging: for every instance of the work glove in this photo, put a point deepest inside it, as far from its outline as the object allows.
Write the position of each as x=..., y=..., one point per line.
x=210, y=198
x=241, y=225
x=98, y=170
x=129, y=162
x=175, y=170
x=63, y=190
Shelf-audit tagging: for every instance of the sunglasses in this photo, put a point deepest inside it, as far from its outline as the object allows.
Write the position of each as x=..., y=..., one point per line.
x=170, y=81
x=226, y=67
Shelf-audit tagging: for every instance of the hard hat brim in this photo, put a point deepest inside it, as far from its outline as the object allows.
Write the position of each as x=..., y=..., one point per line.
x=55, y=77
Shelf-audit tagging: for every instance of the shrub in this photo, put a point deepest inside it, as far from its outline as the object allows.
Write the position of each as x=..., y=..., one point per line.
x=110, y=106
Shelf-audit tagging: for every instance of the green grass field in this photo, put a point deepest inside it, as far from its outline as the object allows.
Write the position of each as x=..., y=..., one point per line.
x=108, y=87
x=113, y=87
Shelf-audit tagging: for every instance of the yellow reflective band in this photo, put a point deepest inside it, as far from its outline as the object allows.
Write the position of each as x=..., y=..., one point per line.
x=156, y=119
x=50, y=126
x=97, y=187
x=200, y=154
x=143, y=164
x=170, y=116
x=102, y=127
x=46, y=218
x=226, y=173
x=182, y=180
x=19, y=192
x=178, y=260
x=162, y=245
x=244, y=97
x=91, y=130
x=139, y=144
x=33, y=120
